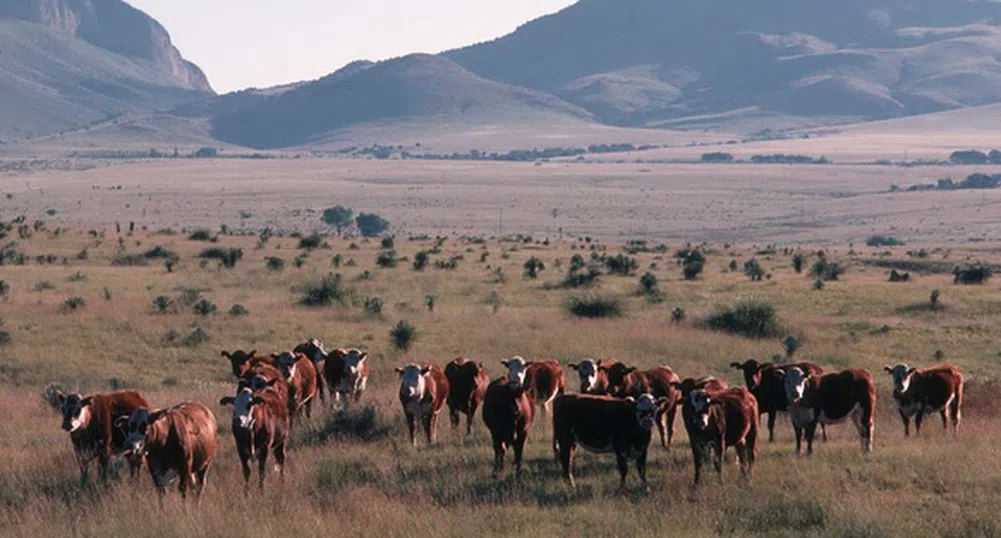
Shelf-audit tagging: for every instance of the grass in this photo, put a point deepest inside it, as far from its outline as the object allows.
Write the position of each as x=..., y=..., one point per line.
x=356, y=473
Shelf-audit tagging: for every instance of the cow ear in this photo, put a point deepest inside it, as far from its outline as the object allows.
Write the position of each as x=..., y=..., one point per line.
x=363, y=356
x=60, y=397
x=781, y=372
x=630, y=399
x=257, y=400
x=86, y=401
x=676, y=385
x=911, y=370
x=273, y=382
x=226, y=354
x=505, y=363
x=529, y=363
x=573, y=365
x=630, y=370
x=227, y=400
x=662, y=401
x=252, y=353
x=888, y=369
x=155, y=416
x=736, y=366
x=425, y=370
x=121, y=422
x=399, y=371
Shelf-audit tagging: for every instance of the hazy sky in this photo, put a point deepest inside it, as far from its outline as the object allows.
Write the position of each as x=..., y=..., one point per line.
x=244, y=43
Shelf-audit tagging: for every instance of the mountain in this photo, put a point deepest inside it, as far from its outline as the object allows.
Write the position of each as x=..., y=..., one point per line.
x=658, y=62
x=419, y=87
x=65, y=64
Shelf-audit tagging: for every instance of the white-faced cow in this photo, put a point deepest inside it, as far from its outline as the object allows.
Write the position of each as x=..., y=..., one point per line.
x=94, y=425
x=626, y=381
x=179, y=444
x=260, y=426
x=916, y=392
x=605, y=424
x=300, y=374
x=508, y=411
x=346, y=371
x=829, y=399
x=718, y=420
x=467, y=383
x=766, y=383
x=423, y=393
x=593, y=375
x=313, y=349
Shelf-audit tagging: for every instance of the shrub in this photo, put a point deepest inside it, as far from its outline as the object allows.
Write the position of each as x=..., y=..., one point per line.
x=577, y=279
x=196, y=337
x=77, y=277
x=818, y=284
x=450, y=264
x=204, y=307
x=311, y=242
x=826, y=270
x=373, y=306
x=338, y=259
x=275, y=264
x=329, y=290
x=934, y=298
x=648, y=284
x=75, y=303
x=692, y=265
x=753, y=319
x=974, y=273
x=790, y=344
x=5, y=339
x=402, y=335
x=621, y=265
x=387, y=243
x=339, y=217
x=754, y=270
x=495, y=302
x=189, y=296
x=533, y=266
x=162, y=304
x=169, y=264
x=228, y=257
x=238, y=310
x=159, y=252
x=129, y=260
x=798, y=261
x=594, y=307
x=371, y=225
x=678, y=314
x=732, y=265
x=201, y=235
x=4, y=288
x=107, y=293
x=421, y=260
x=386, y=259
x=882, y=241
x=300, y=260
x=429, y=301
x=43, y=285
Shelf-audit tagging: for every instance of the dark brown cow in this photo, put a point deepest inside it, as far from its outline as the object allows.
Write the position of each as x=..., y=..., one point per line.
x=544, y=380
x=300, y=374
x=508, y=411
x=916, y=392
x=709, y=384
x=242, y=362
x=829, y=399
x=593, y=375
x=627, y=381
x=766, y=382
x=718, y=420
x=95, y=427
x=605, y=424
x=467, y=382
x=314, y=350
x=346, y=371
x=423, y=393
x=179, y=444
x=260, y=426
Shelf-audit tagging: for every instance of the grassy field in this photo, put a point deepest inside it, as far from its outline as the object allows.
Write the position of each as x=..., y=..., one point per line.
x=365, y=478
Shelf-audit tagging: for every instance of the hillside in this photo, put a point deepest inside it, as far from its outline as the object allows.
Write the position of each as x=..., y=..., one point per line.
x=420, y=87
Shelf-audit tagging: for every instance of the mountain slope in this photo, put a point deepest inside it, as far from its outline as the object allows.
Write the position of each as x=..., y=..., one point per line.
x=417, y=87
x=640, y=62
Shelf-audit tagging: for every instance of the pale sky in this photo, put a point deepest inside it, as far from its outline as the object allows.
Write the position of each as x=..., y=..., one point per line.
x=260, y=43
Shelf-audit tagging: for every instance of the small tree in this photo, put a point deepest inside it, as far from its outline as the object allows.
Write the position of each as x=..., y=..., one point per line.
x=648, y=284
x=421, y=260
x=403, y=335
x=533, y=267
x=429, y=301
x=933, y=298
x=678, y=314
x=790, y=344
x=753, y=270
x=798, y=261
x=693, y=264
x=371, y=225
x=339, y=217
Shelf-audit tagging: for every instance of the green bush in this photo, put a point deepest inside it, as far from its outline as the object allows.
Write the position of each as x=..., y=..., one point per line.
x=238, y=310
x=648, y=284
x=826, y=270
x=159, y=252
x=974, y=273
x=753, y=270
x=75, y=303
x=201, y=235
x=163, y=304
x=371, y=225
x=328, y=291
x=577, y=279
x=275, y=264
x=692, y=265
x=5, y=339
x=883, y=241
x=402, y=335
x=421, y=260
x=311, y=242
x=533, y=266
x=798, y=262
x=129, y=260
x=594, y=307
x=386, y=259
x=678, y=314
x=753, y=319
x=373, y=306
x=204, y=307
x=621, y=265
x=227, y=256
x=387, y=243
x=77, y=277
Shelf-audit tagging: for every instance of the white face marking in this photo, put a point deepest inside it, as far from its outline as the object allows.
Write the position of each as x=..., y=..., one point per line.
x=516, y=369
x=700, y=403
x=646, y=411
x=243, y=416
x=901, y=378
x=286, y=363
x=75, y=414
x=588, y=372
x=795, y=384
x=412, y=384
x=352, y=365
x=138, y=423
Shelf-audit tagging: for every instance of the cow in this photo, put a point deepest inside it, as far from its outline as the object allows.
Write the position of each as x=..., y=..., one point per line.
x=94, y=428
x=346, y=371
x=766, y=383
x=242, y=362
x=178, y=443
x=544, y=381
x=467, y=382
x=626, y=381
x=593, y=375
x=719, y=419
x=605, y=424
x=300, y=374
x=829, y=399
x=423, y=393
x=688, y=385
x=260, y=425
x=508, y=411
x=916, y=392
x=313, y=349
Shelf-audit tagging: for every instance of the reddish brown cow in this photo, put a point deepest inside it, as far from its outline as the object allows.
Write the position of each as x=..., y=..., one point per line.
x=544, y=380
x=766, y=382
x=242, y=362
x=423, y=393
x=605, y=424
x=688, y=385
x=593, y=375
x=314, y=350
x=508, y=411
x=179, y=444
x=260, y=426
x=916, y=392
x=626, y=381
x=94, y=424
x=829, y=399
x=718, y=420
x=346, y=371
x=467, y=382
x=300, y=374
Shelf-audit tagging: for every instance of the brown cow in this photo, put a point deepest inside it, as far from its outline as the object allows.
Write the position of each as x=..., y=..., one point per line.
x=242, y=362
x=467, y=382
x=93, y=423
x=829, y=399
x=313, y=349
x=605, y=424
x=627, y=381
x=916, y=392
x=766, y=382
x=300, y=374
x=260, y=426
x=179, y=444
x=423, y=392
x=508, y=411
x=346, y=371
x=593, y=375
x=689, y=385
x=718, y=420
x=544, y=381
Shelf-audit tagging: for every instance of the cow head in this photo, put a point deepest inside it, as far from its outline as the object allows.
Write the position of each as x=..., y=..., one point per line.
x=412, y=381
x=617, y=377
x=313, y=349
x=517, y=367
x=137, y=428
x=286, y=361
x=752, y=372
x=239, y=360
x=901, y=377
x=258, y=383
x=646, y=408
x=587, y=370
x=75, y=410
x=243, y=404
x=795, y=383
x=700, y=401
x=354, y=360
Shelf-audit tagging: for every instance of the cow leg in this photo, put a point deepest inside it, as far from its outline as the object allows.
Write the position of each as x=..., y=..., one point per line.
x=309, y=408
x=811, y=432
x=262, y=467
x=863, y=421
x=566, y=461
x=907, y=424
x=671, y=417
x=641, y=469
x=741, y=448
x=698, y=458
x=956, y=412
x=719, y=446
x=771, y=428
x=103, y=465
x=430, y=421
x=499, y=453
x=920, y=416
x=280, y=460
x=245, y=463
x=945, y=420
x=412, y=426
x=453, y=417
x=823, y=432
x=519, y=448
x=200, y=481
x=622, y=463
x=135, y=464
x=469, y=421
x=321, y=387
x=184, y=481
x=799, y=437
x=662, y=428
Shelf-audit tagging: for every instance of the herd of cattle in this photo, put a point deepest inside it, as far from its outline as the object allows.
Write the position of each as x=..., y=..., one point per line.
x=614, y=411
